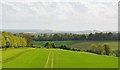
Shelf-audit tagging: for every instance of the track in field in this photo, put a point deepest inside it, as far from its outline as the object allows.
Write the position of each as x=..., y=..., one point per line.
x=47, y=66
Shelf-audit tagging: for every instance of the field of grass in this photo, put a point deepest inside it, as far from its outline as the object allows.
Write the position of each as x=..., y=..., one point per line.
x=0, y=59
x=55, y=58
x=82, y=45
x=73, y=59
x=26, y=59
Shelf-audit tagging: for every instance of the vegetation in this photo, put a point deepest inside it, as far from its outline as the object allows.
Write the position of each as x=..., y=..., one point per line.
x=69, y=36
x=24, y=58
x=37, y=58
x=84, y=46
x=105, y=49
x=19, y=45
x=16, y=40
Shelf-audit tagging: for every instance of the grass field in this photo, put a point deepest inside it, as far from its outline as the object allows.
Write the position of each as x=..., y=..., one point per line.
x=82, y=45
x=55, y=58
x=0, y=59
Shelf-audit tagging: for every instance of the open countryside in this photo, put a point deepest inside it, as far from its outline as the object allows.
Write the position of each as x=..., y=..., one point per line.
x=55, y=58
x=33, y=51
x=59, y=34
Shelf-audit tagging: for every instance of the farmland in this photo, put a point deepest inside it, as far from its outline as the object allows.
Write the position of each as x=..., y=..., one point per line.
x=0, y=58
x=55, y=58
x=82, y=45
x=28, y=51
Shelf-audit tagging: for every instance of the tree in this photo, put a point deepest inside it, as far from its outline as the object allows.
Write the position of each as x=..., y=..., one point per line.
x=48, y=45
x=93, y=48
x=53, y=45
x=90, y=36
x=29, y=40
x=12, y=40
x=107, y=49
x=117, y=53
x=69, y=36
x=18, y=41
x=24, y=42
x=83, y=37
x=15, y=42
x=8, y=42
x=100, y=49
x=3, y=41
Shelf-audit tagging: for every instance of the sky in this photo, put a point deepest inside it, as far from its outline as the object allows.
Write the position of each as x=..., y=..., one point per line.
x=62, y=15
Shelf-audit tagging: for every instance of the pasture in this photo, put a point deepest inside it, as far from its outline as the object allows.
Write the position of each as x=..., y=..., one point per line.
x=0, y=58
x=55, y=58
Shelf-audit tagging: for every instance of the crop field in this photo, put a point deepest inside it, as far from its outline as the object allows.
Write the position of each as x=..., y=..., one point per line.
x=54, y=58
x=82, y=45
x=25, y=58
x=0, y=58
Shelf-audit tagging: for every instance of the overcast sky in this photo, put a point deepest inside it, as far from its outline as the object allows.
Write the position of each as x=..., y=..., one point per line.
x=73, y=15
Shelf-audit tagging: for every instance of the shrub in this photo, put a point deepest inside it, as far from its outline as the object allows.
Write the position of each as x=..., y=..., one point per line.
x=93, y=48
x=107, y=49
x=100, y=49
x=53, y=45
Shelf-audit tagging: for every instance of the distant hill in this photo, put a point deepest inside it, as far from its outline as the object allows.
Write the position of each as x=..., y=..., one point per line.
x=37, y=31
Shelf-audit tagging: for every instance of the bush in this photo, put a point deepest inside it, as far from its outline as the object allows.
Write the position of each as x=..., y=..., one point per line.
x=117, y=53
x=53, y=45
x=93, y=48
x=99, y=49
x=46, y=44
x=64, y=47
x=107, y=49
x=50, y=45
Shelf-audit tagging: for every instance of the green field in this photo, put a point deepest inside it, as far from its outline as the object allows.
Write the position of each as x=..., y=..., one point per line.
x=0, y=59
x=82, y=45
x=55, y=58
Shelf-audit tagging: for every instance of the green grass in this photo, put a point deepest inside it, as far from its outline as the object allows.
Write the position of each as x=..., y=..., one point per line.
x=34, y=58
x=66, y=59
x=37, y=58
x=82, y=45
x=10, y=52
x=0, y=59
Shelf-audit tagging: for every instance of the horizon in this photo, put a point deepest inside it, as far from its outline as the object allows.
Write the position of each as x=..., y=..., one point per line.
x=38, y=31
x=57, y=30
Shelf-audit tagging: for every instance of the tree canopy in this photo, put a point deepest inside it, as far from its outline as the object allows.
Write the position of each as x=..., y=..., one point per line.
x=15, y=40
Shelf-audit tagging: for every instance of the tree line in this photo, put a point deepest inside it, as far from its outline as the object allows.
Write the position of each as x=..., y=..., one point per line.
x=70, y=36
x=104, y=49
x=65, y=47
x=15, y=40
x=101, y=49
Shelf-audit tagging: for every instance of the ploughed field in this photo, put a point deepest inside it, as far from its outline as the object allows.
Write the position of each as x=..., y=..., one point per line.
x=54, y=58
x=82, y=45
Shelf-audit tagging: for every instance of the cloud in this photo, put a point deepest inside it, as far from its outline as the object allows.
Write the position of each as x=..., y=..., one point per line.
x=56, y=15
